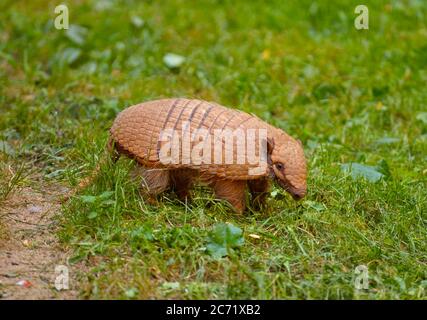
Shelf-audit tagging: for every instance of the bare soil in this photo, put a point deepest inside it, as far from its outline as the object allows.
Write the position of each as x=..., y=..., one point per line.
x=29, y=249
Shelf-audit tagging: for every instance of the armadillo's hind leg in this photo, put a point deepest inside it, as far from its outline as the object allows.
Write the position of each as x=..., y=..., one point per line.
x=182, y=181
x=259, y=191
x=153, y=182
x=232, y=191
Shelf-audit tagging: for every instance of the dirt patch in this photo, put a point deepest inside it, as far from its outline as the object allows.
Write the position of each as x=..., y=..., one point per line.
x=29, y=250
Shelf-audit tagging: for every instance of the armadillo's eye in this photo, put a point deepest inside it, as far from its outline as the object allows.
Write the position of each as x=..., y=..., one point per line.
x=279, y=166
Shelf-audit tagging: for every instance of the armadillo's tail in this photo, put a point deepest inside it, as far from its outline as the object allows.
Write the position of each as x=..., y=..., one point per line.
x=109, y=153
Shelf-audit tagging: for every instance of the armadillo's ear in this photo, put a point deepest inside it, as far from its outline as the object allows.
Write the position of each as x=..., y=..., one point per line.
x=299, y=141
x=270, y=145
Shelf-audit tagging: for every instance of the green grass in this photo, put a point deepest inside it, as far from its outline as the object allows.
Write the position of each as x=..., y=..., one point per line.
x=300, y=65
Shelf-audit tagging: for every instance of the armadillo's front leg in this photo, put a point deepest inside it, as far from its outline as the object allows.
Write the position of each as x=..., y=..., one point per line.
x=232, y=191
x=182, y=180
x=259, y=190
x=154, y=182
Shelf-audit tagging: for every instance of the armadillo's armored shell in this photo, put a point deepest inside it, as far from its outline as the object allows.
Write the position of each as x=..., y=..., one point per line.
x=139, y=129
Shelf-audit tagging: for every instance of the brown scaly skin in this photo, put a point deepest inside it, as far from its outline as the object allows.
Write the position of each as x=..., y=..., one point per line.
x=135, y=134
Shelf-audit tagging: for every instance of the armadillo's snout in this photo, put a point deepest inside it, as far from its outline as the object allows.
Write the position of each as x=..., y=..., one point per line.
x=298, y=193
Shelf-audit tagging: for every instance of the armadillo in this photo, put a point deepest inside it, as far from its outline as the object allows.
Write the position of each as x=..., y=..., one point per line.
x=139, y=132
